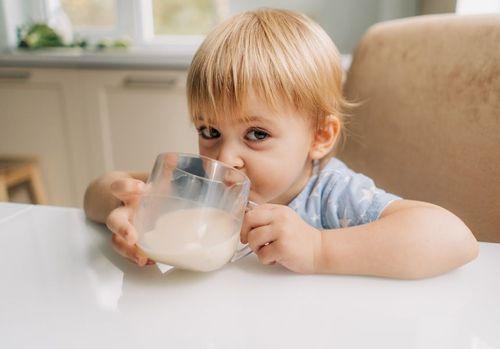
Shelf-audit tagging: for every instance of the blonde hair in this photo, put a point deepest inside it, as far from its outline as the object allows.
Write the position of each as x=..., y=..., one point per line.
x=283, y=56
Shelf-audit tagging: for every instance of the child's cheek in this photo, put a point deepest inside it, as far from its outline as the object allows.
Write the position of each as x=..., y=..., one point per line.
x=268, y=183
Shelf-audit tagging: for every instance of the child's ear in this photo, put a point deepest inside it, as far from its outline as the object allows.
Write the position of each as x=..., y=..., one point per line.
x=325, y=138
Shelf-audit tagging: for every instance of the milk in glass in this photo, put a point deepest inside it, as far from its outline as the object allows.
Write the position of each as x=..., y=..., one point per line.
x=201, y=238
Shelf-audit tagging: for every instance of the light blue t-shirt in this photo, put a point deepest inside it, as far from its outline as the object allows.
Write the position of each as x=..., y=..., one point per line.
x=337, y=197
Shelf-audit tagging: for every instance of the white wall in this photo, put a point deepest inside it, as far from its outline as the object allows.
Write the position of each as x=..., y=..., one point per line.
x=3, y=31
x=344, y=20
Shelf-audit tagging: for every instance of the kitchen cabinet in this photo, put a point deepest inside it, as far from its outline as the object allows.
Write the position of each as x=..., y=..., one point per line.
x=82, y=123
x=37, y=118
x=134, y=115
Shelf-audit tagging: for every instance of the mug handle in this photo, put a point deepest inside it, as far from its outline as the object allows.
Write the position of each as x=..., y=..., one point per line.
x=245, y=250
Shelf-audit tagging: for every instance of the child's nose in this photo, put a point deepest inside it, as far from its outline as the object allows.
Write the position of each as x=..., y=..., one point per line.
x=229, y=155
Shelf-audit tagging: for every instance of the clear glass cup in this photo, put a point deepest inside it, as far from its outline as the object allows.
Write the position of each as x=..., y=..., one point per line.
x=191, y=212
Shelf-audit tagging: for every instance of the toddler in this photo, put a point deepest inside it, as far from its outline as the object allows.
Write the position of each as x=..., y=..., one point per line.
x=265, y=95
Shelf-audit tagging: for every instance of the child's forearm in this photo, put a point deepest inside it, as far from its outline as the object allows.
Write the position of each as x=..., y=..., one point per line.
x=411, y=243
x=99, y=201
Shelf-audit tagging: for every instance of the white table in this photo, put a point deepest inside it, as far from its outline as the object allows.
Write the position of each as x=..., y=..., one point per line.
x=62, y=286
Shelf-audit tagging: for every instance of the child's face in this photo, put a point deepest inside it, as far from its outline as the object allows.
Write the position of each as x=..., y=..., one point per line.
x=272, y=150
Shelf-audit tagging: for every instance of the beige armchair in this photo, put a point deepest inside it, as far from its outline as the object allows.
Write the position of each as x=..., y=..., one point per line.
x=428, y=127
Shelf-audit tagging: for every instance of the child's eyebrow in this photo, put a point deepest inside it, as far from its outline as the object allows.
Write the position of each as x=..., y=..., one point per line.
x=254, y=118
x=258, y=118
x=245, y=120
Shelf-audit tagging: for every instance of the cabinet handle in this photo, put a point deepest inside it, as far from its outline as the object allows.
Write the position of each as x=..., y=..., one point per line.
x=15, y=75
x=163, y=83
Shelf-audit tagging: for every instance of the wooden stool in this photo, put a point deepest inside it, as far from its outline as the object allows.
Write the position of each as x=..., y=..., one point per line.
x=20, y=170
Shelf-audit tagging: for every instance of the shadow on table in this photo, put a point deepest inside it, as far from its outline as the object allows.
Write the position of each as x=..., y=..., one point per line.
x=250, y=264
x=152, y=276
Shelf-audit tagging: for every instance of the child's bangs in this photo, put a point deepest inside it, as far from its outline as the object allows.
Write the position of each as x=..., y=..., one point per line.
x=239, y=57
x=218, y=92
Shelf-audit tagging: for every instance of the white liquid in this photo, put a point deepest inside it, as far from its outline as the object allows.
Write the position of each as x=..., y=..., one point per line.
x=202, y=239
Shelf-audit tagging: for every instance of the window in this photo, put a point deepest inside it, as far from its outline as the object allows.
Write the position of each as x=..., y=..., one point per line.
x=91, y=19
x=145, y=22
x=90, y=13
x=178, y=22
x=178, y=17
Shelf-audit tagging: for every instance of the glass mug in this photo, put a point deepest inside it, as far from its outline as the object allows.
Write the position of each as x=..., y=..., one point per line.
x=191, y=212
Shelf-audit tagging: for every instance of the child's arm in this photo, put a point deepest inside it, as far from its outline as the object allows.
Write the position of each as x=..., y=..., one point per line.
x=410, y=240
x=99, y=201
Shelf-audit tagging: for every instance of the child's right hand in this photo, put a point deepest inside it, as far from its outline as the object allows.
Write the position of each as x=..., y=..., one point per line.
x=119, y=221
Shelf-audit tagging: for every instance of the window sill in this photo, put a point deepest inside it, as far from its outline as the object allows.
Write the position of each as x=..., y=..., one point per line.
x=176, y=57
x=75, y=58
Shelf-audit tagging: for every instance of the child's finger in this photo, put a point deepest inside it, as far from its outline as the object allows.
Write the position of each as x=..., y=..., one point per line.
x=119, y=222
x=164, y=167
x=260, y=237
x=268, y=254
x=163, y=177
x=169, y=164
x=253, y=219
x=131, y=252
x=127, y=189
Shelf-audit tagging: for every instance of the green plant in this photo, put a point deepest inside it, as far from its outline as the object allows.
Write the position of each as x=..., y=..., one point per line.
x=37, y=35
x=40, y=35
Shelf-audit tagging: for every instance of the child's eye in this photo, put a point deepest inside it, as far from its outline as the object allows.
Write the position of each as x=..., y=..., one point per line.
x=256, y=135
x=208, y=132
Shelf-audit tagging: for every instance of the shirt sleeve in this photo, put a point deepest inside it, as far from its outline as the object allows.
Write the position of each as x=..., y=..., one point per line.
x=352, y=199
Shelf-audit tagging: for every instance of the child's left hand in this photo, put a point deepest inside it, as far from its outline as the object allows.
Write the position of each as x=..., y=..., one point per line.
x=279, y=235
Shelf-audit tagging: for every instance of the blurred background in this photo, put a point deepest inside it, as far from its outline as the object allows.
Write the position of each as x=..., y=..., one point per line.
x=89, y=86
